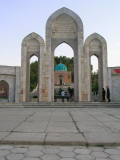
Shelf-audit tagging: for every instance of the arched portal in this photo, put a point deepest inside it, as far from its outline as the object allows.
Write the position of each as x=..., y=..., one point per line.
x=4, y=90
x=94, y=79
x=64, y=26
x=64, y=70
x=64, y=49
x=96, y=45
x=34, y=78
x=32, y=44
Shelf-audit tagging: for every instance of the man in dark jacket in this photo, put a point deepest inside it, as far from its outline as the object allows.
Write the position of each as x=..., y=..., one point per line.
x=103, y=94
x=108, y=94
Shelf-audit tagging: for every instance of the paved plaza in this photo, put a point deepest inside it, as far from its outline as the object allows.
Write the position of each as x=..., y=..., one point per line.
x=60, y=126
x=59, y=133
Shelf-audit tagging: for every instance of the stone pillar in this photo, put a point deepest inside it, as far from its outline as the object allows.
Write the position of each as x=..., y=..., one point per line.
x=110, y=82
x=17, y=85
x=100, y=77
x=23, y=74
x=105, y=66
x=40, y=73
x=87, y=72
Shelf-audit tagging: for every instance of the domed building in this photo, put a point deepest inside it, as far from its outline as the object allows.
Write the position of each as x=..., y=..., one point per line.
x=61, y=75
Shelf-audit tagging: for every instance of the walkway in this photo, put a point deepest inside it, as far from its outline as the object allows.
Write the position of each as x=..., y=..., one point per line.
x=60, y=126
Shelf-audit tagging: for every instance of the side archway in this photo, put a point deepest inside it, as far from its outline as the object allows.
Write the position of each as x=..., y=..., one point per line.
x=4, y=90
x=96, y=45
x=32, y=44
x=64, y=26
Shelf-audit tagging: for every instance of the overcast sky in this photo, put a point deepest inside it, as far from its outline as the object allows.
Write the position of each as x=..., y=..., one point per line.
x=18, y=18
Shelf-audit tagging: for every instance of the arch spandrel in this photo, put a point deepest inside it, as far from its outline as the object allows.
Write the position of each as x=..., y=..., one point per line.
x=64, y=26
x=31, y=36
x=67, y=12
x=95, y=36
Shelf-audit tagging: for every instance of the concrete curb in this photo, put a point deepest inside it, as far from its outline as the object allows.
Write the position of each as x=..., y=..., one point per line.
x=58, y=143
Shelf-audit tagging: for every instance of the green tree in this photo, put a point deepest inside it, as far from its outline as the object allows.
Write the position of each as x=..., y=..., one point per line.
x=94, y=80
x=33, y=75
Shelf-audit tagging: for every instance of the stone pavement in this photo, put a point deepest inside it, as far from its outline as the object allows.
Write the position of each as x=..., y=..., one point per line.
x=38, y=152
x=60, y=126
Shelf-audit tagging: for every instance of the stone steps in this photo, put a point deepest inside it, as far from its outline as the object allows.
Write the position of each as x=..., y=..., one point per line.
x=61, y=105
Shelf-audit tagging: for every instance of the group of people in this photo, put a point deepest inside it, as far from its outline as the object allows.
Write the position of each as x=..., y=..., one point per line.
x=63, y=95
x=106, y=94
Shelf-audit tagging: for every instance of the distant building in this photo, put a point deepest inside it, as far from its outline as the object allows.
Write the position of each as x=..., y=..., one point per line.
x=61, y=75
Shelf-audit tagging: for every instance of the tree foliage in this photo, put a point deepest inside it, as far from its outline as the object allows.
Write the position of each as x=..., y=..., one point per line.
x=94, y=80
x=33, y=75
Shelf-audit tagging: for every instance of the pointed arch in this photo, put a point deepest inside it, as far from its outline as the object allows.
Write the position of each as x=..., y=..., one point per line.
x=32, y=44
x=69, y=30
x=95, y=44
x=4, y=89
x=65, y=45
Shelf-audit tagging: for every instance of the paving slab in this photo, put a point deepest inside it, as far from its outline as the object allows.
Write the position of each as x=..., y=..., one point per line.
x=114, y=126
x=65, y=139
x=3, y=134
x=84, y=118
x=8, y=126
x=25, y=138
x=60, y=118
x=38, y=118
x=102, y=138
x=106, y=118
x=92, y=127
x=68, y=127
x=32, y=127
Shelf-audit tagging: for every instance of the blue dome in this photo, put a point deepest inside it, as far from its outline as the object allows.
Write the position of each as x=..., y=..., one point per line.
x=61, y=67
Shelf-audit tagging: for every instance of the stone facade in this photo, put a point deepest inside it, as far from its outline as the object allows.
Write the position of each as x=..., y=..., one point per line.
x=11, y=75
x=96, y=45
x=63, y=26
x=66, y=77
x=32, y=45
x=114, y=83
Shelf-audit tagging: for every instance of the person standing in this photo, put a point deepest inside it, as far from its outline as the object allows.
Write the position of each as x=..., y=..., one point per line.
x=103, y=94
x=108, y=94
x=63, y=94
x=68, y=96
x=55, y=96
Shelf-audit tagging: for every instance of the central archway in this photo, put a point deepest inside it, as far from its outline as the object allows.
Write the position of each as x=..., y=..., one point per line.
x=64, y=26
x=64, y=72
